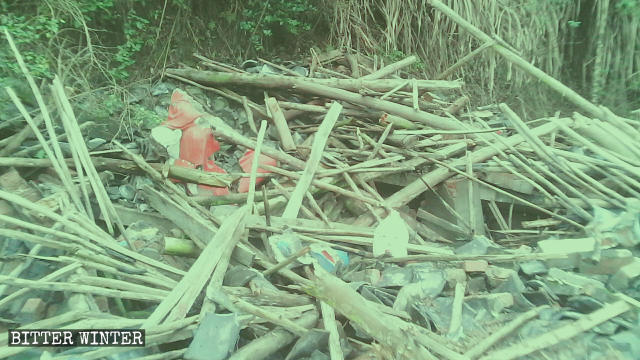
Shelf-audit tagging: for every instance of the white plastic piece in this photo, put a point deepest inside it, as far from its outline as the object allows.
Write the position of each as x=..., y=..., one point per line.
x=391, y=236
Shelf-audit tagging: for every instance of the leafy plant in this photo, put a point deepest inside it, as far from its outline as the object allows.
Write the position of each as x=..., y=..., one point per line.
x=629, y=7
x=26, y=32
x=264, y=19
x=134, y=29
x=143, y=117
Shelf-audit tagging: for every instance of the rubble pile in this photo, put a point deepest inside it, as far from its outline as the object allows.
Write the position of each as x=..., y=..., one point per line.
x=335, y=208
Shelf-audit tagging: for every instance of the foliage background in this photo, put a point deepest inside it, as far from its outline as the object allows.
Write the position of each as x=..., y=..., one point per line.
x=106, y=45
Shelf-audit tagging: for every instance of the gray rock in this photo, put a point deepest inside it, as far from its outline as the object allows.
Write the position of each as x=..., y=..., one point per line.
x=162, y=88
x=161, y=111
x=418, y=292
x=224, y=328
x=95, y=143
x=113, y=192
x=220, y=103
x=301, y=70
x=137, y=94
x=533, y=267
x=478, y=246
x=127, y=192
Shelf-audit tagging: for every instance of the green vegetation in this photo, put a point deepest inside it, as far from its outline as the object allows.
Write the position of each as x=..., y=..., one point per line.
x=112, y=34
x=112, y=43
x=262, y=20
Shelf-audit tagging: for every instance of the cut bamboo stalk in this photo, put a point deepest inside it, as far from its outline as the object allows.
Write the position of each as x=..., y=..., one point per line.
x=306, y=179
x=79, y=288
x=607, y=136
x=380, y=141
x=465, y=60
x=417, y=187
x=324, y=90
x=490, y=258
x=130, y=167
x=249, y=113
x=316, y=207
x=118, y=285
x=52, y=277
x=179, y=247
x=391, y=68
x=287, y=261
x=599, y=150
x=177, y=304
x=395, y=89
x=282, y=81
x=331, y=325
x=563, y=333
x=80, y=148
x=224, y=131
x=414, y=95
x=60, y=168
x=286, y=140
x=446, y=225
x=362, y=165
x=455, y=325
x=227, y=67
x=56, y=154
x=505, y=331
x=255, y=163
x=512, y=57
x=403, y=339
x=271, y=342
x=284, y=192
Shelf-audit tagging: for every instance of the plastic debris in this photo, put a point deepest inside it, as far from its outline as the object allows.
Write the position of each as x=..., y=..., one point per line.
x=391, y=236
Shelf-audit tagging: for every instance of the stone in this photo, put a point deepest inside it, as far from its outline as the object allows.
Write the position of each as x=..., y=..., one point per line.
x=32, y=311
x=611, y=260
x=475, y=266
x=419, y=291
x=127, y=192
x=567, y=283
x=497, y=275
x=454, y=276
x=494, y=303
x=220, y=103
x=162, y=88
x=480, y=245
x=370, y=276
x=476, y=285
x=513, y=284
x=623, y=277
x=52, y=310
x=574, y=248
x=95, y=143
x=533, y=267
x=224, y=327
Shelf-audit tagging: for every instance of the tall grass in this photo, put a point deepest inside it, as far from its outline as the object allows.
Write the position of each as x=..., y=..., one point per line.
x=591, y=45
